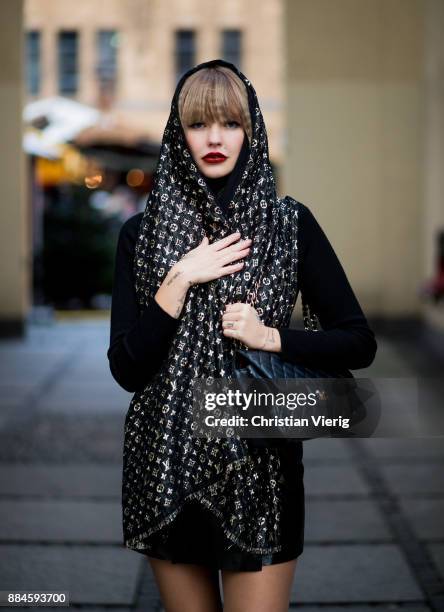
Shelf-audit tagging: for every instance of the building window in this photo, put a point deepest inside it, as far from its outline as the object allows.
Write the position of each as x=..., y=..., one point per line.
x=232, y=47
x=68, y=58
x=107, y=42
x=185, y=51
x=33, y=62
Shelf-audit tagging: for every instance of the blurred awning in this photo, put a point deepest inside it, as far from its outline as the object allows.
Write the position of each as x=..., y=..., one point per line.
x=118, y=146
x=53, y=123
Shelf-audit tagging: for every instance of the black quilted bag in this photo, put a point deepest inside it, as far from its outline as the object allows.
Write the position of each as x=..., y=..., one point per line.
x=248, y=364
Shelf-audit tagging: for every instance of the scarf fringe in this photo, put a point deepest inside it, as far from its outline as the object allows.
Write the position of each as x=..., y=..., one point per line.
x=135, y=543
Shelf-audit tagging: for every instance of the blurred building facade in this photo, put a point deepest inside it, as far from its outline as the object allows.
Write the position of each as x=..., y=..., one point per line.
x=352, y=93
x=365, y=145
x=128, y=55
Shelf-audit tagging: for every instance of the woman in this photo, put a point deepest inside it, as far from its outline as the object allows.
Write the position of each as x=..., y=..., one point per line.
x=216, y=258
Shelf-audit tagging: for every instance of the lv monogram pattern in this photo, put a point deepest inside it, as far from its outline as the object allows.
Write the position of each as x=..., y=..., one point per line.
x=163, y=465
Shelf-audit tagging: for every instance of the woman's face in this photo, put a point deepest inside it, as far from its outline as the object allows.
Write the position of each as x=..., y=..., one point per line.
x=224, y=138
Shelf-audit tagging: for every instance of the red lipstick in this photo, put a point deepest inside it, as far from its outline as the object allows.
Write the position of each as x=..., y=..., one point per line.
x=214, y=158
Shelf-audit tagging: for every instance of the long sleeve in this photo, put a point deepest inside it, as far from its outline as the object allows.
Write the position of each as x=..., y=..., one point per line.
x=346, y=340
x=138, y=342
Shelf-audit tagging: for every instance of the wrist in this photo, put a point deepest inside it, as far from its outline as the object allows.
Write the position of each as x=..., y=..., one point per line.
x=177, y=276
x=271, y=340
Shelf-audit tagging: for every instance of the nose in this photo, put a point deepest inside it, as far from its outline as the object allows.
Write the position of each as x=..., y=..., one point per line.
x=214, y=135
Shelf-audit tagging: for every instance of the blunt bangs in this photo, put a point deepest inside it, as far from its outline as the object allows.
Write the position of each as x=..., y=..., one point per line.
x=214, y=94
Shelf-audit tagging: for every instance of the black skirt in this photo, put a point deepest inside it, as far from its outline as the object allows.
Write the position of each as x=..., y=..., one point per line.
x=195, y=535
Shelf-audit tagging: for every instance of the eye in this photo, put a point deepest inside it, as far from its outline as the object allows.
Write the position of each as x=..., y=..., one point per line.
x=234, y=123
x=197, y=123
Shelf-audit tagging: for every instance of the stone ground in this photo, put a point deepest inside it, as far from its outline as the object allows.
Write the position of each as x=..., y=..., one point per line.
x=374, y=524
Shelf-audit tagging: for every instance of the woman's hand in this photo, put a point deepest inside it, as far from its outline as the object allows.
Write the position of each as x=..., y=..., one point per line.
x=203, y=263
x=241, y=321
x=209, y=261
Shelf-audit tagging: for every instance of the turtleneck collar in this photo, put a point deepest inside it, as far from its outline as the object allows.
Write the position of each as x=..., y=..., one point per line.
x=223, y=187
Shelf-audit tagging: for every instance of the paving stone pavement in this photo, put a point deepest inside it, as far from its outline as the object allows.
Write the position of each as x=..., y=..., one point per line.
x=374, y=529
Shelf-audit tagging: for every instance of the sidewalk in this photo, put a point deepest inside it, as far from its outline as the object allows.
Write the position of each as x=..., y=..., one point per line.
x=374, y=526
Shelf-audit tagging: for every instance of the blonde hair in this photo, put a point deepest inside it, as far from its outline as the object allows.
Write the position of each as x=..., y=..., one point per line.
x=214, y=94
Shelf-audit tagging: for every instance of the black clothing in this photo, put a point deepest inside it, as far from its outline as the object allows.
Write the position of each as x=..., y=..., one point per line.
x=139, y=344
x=195, y=536
x=255, y=496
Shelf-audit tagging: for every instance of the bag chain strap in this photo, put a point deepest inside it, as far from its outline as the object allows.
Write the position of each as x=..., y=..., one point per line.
x=311, y=322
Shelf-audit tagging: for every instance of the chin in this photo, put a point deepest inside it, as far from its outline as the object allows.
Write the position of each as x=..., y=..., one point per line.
x=215, y=172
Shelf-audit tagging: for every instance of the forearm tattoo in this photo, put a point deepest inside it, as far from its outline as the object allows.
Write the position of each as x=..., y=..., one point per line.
x=269, y=338
x=181, y=300
x=173, y=278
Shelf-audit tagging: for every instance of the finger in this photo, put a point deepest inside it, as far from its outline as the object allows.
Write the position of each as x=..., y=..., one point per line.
x=223, y=242
x=203, y=242
x=230, y=269
x=236, y=307
x=227, y=331
x=233, y=256
x=242, y=244
x=229, y=324
x=230, y=316
x=239, y=329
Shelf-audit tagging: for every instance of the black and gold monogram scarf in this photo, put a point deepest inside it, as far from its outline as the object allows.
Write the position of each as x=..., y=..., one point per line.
x=163, y=464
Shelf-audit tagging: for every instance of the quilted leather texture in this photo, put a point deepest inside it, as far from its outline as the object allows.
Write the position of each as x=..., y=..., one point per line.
x=268, y=365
